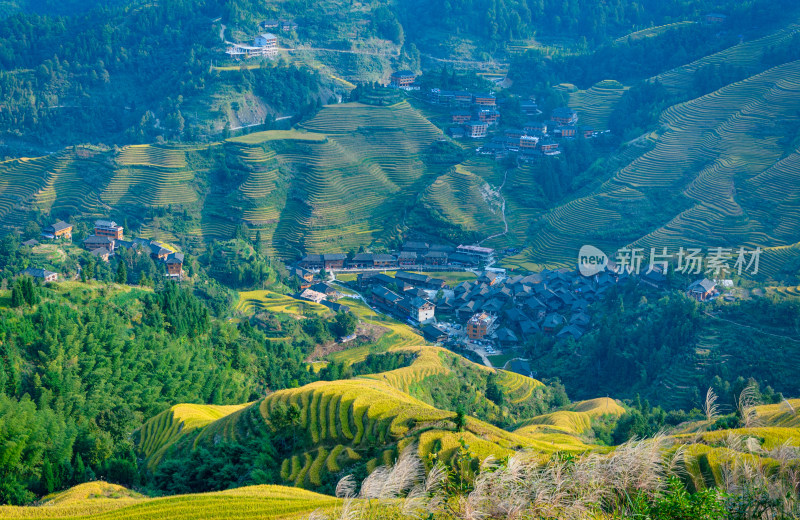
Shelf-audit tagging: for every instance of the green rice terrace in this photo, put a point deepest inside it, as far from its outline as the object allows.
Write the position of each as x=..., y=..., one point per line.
x=344, y=179
x=715, y=171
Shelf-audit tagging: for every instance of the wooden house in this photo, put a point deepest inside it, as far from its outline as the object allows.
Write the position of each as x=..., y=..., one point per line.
x=402, y=78
x=460, y=116
x=486, y=100
x=407, y=258
x=702, y=290
x=333, y=260
x=175, y=265
x=564, y=116
x=108, y=228
x=60, y=229
x=93, y=242
x=40, y=274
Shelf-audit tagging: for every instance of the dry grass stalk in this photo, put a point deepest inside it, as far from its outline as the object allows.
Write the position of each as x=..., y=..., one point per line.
x=710, y=407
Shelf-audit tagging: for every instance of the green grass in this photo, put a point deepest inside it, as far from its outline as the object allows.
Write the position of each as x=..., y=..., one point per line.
x=500, y=360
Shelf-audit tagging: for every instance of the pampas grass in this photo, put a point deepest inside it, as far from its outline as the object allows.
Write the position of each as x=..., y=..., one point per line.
x=590, y=486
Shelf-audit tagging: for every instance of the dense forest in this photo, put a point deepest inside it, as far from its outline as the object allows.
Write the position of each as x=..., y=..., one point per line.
x=82, y=367
x=127, y=74
x=647, y=342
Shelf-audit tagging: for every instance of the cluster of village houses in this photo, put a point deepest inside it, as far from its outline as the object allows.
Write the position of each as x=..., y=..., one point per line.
x=493, y=308
x=412, y=254
x=107, y=238
x=474, y=114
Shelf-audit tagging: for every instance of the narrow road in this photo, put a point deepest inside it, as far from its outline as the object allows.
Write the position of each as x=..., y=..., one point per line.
x=751, y=327
x=259, y=124
x=344, y=51
x=503, y=211
x=468, y=62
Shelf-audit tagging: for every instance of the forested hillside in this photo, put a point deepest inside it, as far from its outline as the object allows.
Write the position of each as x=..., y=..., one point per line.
x=84, y=365
x=132, y=73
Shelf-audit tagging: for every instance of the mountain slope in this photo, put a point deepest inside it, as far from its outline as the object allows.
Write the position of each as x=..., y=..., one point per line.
x=696, y=184
x=369, y=420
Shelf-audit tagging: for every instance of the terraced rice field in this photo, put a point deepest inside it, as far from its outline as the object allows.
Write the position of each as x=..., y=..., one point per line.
x=746, y=55
x=159, y=433
x=652, y=31
x=351, y=176
x=151, y=175
x=595, y=105
x=264, y=300
x=459, y=198
x=575, y=420
x=21, y=179
x=343, y=421
x=733, y=182
x=105, y=501
x=277, y=135
x=516, y=387
x=574, y=423
x=597, y=407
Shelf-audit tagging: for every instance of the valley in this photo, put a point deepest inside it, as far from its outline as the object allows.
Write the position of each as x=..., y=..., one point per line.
x=370, y=260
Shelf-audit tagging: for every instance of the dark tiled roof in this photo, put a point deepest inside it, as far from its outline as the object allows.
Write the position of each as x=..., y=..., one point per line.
x=37, y=272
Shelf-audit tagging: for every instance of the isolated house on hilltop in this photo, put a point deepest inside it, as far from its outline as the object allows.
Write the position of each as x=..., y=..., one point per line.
x=174, y=264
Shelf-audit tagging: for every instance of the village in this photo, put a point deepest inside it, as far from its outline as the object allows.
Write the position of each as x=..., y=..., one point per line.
x=107, y=240
x=490, y=311
x=474, y=115
x=492, y=314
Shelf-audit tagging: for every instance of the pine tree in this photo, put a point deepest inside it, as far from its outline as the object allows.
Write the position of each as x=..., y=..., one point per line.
x=80, y=470
x=17, y=299
x=48, y=479
x=122, y=273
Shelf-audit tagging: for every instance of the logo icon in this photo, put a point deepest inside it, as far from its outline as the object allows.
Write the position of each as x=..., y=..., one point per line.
x=591, y=260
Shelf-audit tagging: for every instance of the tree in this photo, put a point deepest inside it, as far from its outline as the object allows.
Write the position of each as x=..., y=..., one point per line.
x=17, y=300
x=122, y=272
x=460, y=419
x=257, y=242
x=344, y=324
x=48, y=480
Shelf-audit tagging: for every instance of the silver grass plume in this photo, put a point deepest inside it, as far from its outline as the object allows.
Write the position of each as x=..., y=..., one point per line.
x=710, y=407
x=747, y=406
